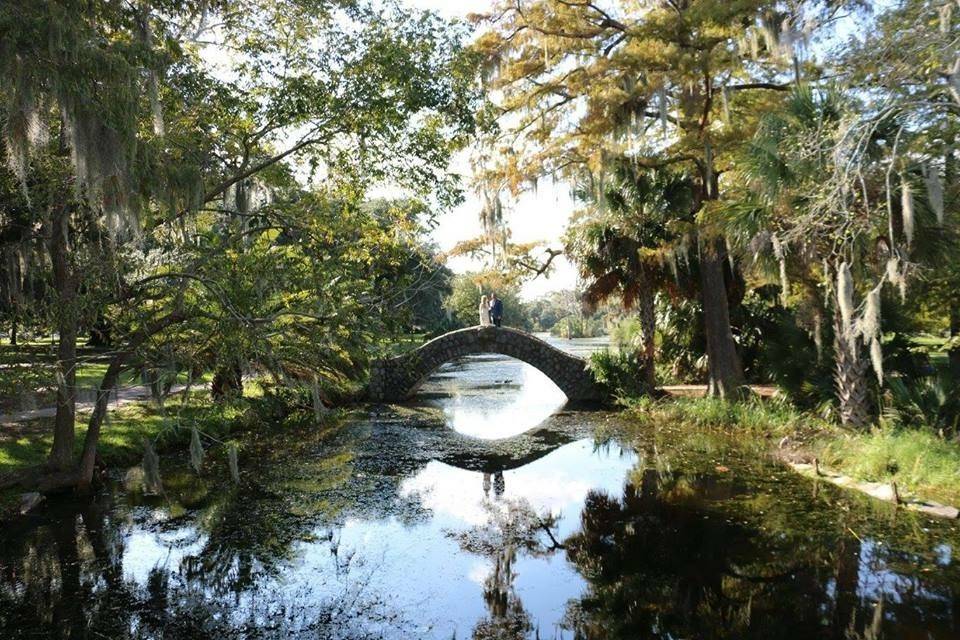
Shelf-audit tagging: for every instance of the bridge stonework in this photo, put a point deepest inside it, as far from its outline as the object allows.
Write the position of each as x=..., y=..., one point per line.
x=396, y=379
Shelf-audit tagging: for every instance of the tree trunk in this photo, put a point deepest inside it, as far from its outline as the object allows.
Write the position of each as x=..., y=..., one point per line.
x=648, y=329
x=850, y=377
x=954, y=353
x=726, y=379
x=61, y=454
x=726, y=372
x=89, y=457
x=227, y=383
x=13, y=333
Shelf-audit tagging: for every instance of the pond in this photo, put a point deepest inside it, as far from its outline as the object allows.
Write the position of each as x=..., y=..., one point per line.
x=482, y=509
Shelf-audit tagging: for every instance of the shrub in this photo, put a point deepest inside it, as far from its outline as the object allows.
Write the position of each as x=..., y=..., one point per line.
x=932, y=402
x=620, y=373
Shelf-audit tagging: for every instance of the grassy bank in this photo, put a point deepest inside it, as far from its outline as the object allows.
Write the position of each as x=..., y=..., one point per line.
x=919, y=461
x=27, y=444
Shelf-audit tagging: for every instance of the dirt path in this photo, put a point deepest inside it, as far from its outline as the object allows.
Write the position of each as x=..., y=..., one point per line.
x=700, y=390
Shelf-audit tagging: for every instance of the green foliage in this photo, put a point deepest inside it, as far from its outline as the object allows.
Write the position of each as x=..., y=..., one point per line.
x=620, y=373
x=464, y=303
x=327, y=289
x=928, y=402
x=777, y=349
x=551, y=307
x=682, y=342
x=166, y=204
x=22, y=378
x=625, y=333
x=634, y=235
x=578, y=326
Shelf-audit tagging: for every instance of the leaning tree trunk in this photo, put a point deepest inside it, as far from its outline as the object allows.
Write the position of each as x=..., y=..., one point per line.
x=726, y=372
x=851, y=377
x=64, y=282
x=648, y=329
x=89, y=456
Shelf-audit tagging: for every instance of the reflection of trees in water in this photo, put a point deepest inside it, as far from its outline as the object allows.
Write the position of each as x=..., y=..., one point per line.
x=231, y=543
x=249, y=533
x=69, y=583
x=506, y=616
x=664, y=560
x=664, y=557
x=512, y=526
x=64, y=577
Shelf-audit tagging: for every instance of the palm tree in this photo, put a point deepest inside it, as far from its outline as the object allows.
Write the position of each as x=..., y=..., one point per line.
x=630, y=242
x=823, y=189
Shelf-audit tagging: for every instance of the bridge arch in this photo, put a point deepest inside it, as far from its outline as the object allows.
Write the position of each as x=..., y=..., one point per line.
x=396, y=379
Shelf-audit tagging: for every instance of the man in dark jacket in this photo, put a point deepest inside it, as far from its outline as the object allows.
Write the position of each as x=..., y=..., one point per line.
x=496, y=310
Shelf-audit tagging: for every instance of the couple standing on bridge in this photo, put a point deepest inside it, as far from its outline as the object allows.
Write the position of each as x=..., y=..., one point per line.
x=491, y=310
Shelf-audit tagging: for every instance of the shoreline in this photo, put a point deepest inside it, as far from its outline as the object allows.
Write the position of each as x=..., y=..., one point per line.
x=818, y=450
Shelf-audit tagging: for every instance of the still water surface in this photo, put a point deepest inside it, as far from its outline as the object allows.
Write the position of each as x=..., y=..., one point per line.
x=504, y=517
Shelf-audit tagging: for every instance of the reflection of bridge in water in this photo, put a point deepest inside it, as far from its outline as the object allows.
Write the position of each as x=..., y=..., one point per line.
x=492, y=458
x=396, y=379
x=507, y=454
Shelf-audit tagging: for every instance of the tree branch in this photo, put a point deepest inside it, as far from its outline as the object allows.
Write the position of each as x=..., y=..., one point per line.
x=772, y=86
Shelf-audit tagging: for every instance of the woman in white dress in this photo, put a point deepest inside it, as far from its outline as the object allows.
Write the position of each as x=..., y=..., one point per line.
x=484, y=310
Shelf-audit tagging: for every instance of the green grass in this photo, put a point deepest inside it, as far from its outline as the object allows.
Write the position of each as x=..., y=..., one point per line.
x=90, y=374
x=22, y=452
x=36, y=342
x=935, y=347
x=929, y=340
x=121, y=439
x=759, y=417
x=919, y=461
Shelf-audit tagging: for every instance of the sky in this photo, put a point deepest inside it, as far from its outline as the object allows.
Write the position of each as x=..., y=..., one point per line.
x=539, y=216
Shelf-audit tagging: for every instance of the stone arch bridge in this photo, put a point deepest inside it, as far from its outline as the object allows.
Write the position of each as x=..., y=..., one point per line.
x=396, y=379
